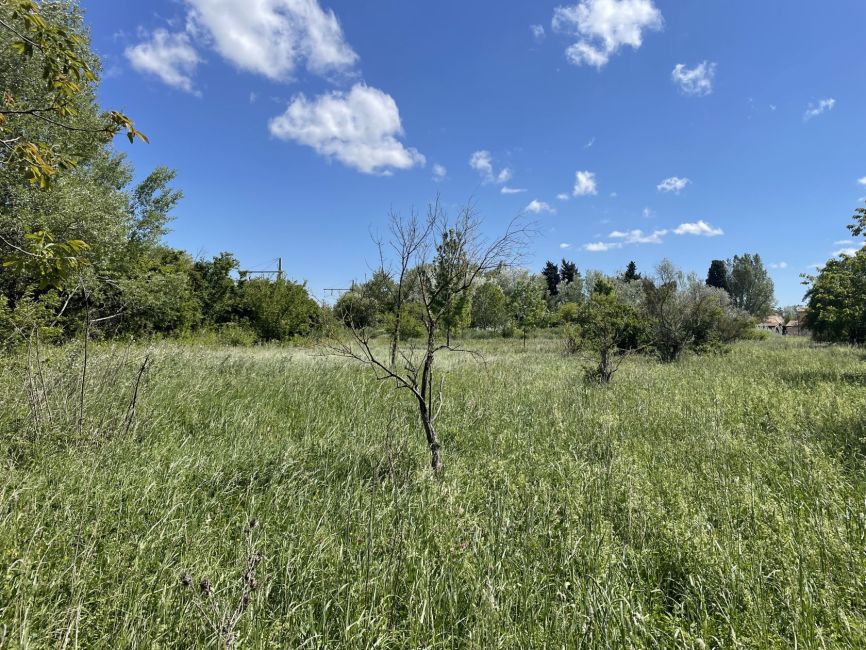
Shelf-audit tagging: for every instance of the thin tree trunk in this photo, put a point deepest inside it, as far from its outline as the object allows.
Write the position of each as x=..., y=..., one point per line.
x=432, y=439
x=425, y=403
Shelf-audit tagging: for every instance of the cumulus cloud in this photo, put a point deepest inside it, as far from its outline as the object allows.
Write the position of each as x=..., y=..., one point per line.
x=585, y=184
x=538, y=207
x=171, y=57
x=601, y=246
x=850, y=252
x=512, y=190
x=439, y=172
x=697, y=81
x=699, y=228
x=563, y=245
x=562, y=196
x=537, y=32
x=482, y=162
x=862, y=181
x=359, y=128
x=638, y=236
x=673, y=184
x=604, y=26
x=814, y=110
x=267, y=37
x=271, y=37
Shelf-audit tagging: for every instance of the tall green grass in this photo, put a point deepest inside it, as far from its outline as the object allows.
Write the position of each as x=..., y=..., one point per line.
x=717, y=502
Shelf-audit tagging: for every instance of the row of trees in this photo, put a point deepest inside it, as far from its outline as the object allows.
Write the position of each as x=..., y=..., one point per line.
x=515, y=301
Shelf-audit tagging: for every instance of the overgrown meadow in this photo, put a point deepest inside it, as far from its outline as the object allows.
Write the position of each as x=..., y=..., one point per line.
x=716, y=502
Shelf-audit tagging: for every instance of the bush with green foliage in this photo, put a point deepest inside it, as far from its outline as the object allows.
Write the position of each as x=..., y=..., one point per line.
x=608, y=329
x=278, y=310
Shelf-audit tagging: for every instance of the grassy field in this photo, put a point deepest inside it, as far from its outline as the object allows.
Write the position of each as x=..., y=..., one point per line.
x=717, y=502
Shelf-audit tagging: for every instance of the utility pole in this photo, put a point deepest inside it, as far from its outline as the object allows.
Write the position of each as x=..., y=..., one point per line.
x=278, y=272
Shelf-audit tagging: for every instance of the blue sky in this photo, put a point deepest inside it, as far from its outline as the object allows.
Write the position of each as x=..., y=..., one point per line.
x=630, y=129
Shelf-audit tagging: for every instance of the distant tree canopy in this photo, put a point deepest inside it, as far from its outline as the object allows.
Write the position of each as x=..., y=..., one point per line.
x=836, y=299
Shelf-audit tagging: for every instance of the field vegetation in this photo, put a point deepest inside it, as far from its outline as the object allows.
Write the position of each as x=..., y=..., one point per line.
x=716, y=502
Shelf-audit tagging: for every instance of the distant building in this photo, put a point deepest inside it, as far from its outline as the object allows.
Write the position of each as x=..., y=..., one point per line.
x=776, y=324
x=773, y=323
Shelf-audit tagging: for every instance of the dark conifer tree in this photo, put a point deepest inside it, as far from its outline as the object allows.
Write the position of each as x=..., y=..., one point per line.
x=551, y=276
x=718, y=275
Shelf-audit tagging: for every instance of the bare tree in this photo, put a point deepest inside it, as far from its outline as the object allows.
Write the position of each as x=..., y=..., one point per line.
x=448, y=257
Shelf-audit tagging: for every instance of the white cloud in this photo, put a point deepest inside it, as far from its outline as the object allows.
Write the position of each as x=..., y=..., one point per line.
x=648, y=214
x=604, y=26
x=589, y=144
x=359, y=128
x=171, y=57
x=697, y=81
x=814, y=110
x=850, y=252
x=439, y=172
x=562, y=196
x=601, y=246
x=844, y=242
x=482, y=162
x=271, y=37
x=673, y=184
x=862, y=181
x=537, y=32
x=699, y=228
x=538, y=207
x=512, y=190
x=585, y=184
x=638, y=236
x=563, y=246
x=779, y=265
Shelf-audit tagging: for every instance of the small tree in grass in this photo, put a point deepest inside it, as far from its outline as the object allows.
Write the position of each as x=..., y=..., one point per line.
x=608, y=329
x=446, y=257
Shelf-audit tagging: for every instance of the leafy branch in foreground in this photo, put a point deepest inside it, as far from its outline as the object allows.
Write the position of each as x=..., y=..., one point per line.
x=441, y=260
x=66, y=73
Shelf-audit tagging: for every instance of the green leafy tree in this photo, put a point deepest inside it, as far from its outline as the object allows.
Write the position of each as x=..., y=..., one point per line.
x=216, y=289
x=527, y=305
x=489, y=307
x=278, y=310
x=49, y=42
x=836, y=299
x=446, y=283
x=750, y=287
x=609, y=329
